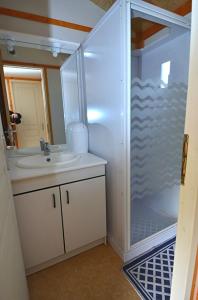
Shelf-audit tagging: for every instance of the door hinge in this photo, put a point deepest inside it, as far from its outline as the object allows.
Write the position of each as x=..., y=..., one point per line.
x=184, y=158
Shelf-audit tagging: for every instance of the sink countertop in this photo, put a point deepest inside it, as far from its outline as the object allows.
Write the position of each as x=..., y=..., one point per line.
x=86, y=160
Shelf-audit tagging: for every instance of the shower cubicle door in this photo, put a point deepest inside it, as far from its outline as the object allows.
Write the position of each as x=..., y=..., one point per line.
x=160, y=59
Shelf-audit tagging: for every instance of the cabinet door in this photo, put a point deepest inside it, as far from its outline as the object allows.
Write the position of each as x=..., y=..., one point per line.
x=40, y=225
x=84, y=212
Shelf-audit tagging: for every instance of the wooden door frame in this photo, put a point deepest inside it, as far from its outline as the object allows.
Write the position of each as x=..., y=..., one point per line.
x=194, y=290
x=187, y=226
x=4, y=101
x=45, y=89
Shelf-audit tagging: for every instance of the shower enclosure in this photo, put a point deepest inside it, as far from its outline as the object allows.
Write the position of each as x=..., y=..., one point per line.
x=130, y=76
x=159, y=68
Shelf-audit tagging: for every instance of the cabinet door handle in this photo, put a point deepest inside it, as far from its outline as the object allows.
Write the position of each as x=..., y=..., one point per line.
x=54, y=200
x=67, y=194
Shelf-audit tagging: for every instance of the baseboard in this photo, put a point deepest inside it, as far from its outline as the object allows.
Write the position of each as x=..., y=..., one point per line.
x=150, y=242
x=115, y=246
x=65, y=256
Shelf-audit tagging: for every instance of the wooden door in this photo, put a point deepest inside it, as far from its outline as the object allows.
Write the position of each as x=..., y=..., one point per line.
x=40, y=225
x=187, y=228
x=84, y=212
x=28, y=101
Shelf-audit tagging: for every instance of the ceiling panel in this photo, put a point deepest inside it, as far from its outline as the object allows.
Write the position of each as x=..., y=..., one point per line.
x=143, y=29
x=170, y=5
x=104, y=4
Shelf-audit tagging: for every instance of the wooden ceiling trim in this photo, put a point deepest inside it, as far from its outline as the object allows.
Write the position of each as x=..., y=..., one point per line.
x=139, y=39
x=29, y=64
x=170, y=5
x=22, y=78
x=104, y=4
x=152, y=30
x=182, y=10
x=41, y=19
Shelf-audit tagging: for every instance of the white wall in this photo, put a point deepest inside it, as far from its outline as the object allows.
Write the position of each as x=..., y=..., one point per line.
x=56, y=106
x=30, y=55
x=136, y=66
x=70, y=88
x=147, y=65
x=82, y=12
x=12, y=274
x=176, y=51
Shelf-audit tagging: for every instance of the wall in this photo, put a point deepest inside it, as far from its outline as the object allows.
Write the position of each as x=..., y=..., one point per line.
x=146, y=64
x=56, y=106
x=29, y=55
x=176, y=51
x=12, y=274
x=136, y=66
x=75, y=11
x=70, y=84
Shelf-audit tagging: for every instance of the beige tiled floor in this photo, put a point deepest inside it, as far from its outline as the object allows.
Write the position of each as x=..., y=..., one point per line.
x=92, y=275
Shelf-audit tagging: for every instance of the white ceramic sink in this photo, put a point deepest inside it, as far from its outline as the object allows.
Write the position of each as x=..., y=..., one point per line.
x=53, y=160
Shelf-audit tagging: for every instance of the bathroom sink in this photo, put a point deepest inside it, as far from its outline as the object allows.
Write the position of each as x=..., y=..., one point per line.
x=52, y=160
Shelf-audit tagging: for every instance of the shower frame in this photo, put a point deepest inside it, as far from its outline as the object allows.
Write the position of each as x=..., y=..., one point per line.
x=104, y=79
x=91, y=74
x=139, y=8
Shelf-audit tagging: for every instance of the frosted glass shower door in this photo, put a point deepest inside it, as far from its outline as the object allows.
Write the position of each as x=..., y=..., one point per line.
x=158, y=102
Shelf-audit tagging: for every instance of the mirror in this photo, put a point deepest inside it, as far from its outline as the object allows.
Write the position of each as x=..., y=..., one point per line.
x=33, y=96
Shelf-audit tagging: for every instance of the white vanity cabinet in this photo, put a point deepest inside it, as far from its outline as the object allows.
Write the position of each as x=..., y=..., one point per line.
x=60, y=214
x=40, y=225
x=84, y=212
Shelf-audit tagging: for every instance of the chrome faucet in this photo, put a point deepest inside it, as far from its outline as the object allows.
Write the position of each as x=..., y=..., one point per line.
x=42, y=142
x=46, y=149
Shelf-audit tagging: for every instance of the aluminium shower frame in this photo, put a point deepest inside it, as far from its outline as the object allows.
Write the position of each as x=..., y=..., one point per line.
x=138, y=8
x=127, y=9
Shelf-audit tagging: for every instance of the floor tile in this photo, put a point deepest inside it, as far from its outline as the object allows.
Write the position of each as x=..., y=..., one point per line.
x=92, y=275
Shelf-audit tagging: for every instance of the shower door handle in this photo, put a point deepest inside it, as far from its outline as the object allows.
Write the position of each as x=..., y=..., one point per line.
x=184, y=158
